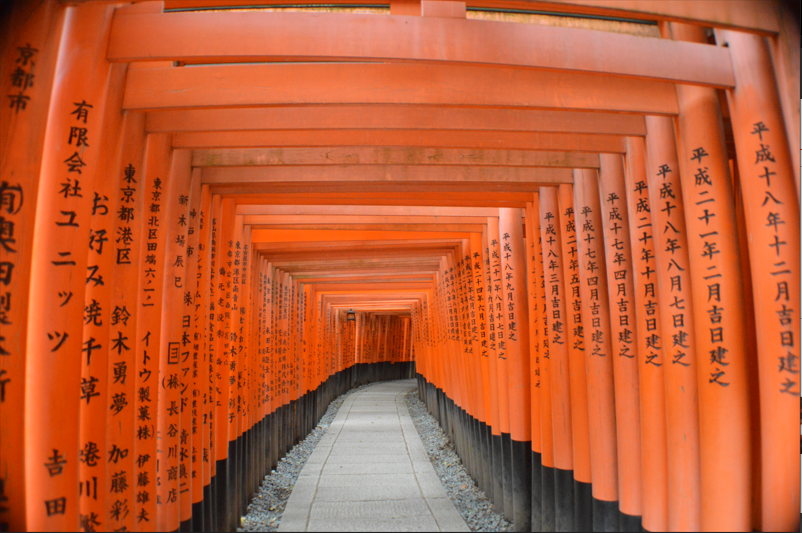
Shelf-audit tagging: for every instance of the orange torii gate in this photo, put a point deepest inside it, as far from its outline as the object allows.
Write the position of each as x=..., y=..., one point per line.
x=212, y=223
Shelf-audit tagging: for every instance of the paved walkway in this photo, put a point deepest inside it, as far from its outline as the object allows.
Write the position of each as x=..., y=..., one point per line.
x=370, y=472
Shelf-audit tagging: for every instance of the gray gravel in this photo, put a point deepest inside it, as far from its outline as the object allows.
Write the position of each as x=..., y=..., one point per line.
x=266, y=508
x=471, y=502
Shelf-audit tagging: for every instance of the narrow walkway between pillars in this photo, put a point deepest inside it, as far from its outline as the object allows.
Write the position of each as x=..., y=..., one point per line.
x=370, y=472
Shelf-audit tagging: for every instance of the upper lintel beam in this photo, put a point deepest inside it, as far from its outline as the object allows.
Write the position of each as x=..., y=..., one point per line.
x=214, y=37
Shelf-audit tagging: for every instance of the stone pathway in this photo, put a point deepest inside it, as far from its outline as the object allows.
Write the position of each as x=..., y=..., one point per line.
x=370, y=472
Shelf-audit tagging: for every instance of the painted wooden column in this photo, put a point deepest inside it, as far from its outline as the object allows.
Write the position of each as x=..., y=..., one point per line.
x=32, y=48
x=173, y=349
x=772, y=221
x=650, y=340
x=126, y=248
x=558, y=360
x=197, y=304
x=717, y=287
x=497, y=484
x=598, y=351
x=677, y=324
x=533, y=266
x=516, y=309
x=148, y=326
x=497, y=279
x=94, y=416
x=583, y=496
x=58, y=264
x=615, y=220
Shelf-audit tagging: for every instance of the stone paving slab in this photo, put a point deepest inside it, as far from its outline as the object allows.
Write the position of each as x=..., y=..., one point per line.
x=370, y=472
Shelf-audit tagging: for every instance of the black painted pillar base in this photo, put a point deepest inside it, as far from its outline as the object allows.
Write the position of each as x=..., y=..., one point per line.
x=548, y=508
x=605, y=516
x=537, y=491
x=583, y=506
x=498, y=474
x=629, y=523
x=521, y=485
x=506, y=458
x=198, y=515
x=563, y=500
x=221, y=496
x=185, y=526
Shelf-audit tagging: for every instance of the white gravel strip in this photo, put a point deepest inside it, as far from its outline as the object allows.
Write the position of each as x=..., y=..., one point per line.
x=267, y=507
x=471, y=502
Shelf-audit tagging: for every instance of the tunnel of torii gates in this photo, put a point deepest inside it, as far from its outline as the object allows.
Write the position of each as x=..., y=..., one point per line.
x=574, y=222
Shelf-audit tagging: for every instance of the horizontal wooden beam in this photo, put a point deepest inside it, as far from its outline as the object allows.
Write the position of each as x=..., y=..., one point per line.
x=386, y=173
x=369, y=155
x=391, y=84
x=747, y=15
x=475, y=228
x=437, y=139
x=420, y=201
x=415, y=117
x=363, y=210
x=353, y=219
x=215, y=37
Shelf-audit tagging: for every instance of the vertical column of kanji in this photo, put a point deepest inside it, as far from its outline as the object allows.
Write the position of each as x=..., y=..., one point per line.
x=479, y=321
x=497, y=482
x=31, y=42
x=516, y=309
x=213, y=354
x=533, y=288
x=248, y=358
x=226, y=488
x=649, y=339
x=546, y=479
x=772, y=220
x=677, y=324
x=94, y=367
x=239, y=355
x=235, y=364
x=173, y=344
x=583, y=497
x=58, y=263
x=498, y=308
x=197, y=304
x=479, y=363
x=624, y=334
x=474, y=384
x=126, y=238
x=596, y=316
x=148, y=326
x=714, y=252
x=558, y=361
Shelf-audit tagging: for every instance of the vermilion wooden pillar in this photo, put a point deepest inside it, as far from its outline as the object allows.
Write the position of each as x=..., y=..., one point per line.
x=126, y=248
x=717, y=287
x=583, y=496
x=650, y=340
x=533, y=265
x=496, y=278
x=148, y=326
x=558, y=360
x=677, y=324
x=97, y=298
x=615, y=220
x=174, y=350
x=772, y=221
x=32, y=38
x=598, y=350
x=59, y=265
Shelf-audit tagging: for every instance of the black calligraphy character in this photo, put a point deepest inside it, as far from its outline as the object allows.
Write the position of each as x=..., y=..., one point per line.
x=699, y=153
x=89, y=347
x=7, y=235
x=81, y=111
x=769, y=196
x=759, y=129
x=55, y=464
x=3, y=380
x=710, y=250
x=90, y=454
x=88, y=388
x=764, y=154
x=92, y=313
x=25, y=55
x=714, y=378
x=93, y=276
x=79, y=134
x=71, y=222
x=10, y=198
x=118, y=403
x=70, y=189
x=97, y=238
x=56, y=506
x=74, y=163
x=98, y=205
x=663, y=171
x=706, y=217
x=782, y=291
x=767, y=175
x=88, y=522
x=19, y=101
x=702, y=178
x=61, y=337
